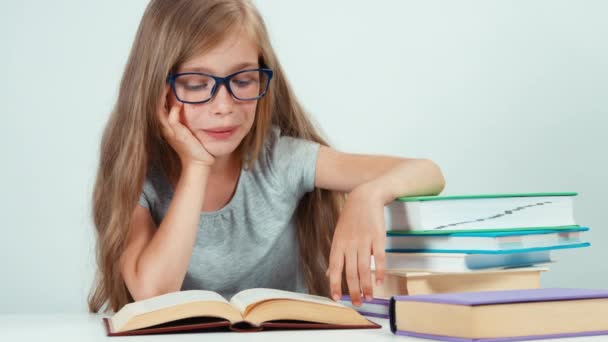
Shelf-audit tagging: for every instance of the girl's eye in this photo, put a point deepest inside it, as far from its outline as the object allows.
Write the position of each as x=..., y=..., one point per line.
x=243, y=82
x=193, y=82
x=195, y=87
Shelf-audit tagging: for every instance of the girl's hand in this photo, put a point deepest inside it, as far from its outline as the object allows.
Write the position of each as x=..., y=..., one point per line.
x=190, y=150
x=360, y=233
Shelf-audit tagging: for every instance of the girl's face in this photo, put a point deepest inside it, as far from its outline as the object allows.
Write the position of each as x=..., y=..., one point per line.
x=209, y=121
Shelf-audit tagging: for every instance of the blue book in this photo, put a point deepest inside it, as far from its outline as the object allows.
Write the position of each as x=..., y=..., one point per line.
x=487, y=242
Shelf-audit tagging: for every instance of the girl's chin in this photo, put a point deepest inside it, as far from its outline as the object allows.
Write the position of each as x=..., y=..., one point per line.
x=221, y=149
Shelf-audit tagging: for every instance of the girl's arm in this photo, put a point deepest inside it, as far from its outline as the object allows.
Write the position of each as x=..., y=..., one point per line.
x=372, y=182
x=392, y=176
x=155, y=261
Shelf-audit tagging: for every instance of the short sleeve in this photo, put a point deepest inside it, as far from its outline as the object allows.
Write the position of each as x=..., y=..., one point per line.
x=293, y=162
x=149, y=196
x=155, y=194
x=143, y=200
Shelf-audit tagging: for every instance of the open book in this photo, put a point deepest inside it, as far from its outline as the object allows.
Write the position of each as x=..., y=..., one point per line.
x=248, y=310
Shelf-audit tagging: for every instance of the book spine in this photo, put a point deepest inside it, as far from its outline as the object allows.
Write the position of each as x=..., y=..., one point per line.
x=391, y=315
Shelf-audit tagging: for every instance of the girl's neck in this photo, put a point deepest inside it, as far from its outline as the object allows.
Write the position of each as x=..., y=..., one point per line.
x=225, y=165
x=222, y=168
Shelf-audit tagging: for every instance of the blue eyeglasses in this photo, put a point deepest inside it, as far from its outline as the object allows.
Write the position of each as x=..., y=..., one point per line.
x=196, y=87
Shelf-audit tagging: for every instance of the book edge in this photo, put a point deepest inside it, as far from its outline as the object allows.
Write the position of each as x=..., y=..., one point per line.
x=482, y=196
x=154, y=331
x=451, y=300
x=394, y=232
x=491, y=251
x=499, y=339
x=237, y=328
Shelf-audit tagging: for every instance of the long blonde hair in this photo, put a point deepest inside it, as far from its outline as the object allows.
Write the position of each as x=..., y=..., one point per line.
x=170, y=33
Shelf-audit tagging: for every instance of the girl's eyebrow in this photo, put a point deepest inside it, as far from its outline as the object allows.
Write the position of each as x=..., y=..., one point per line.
x=235, y=68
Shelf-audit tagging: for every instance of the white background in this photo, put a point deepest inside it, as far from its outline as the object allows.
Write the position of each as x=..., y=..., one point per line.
x=506, y=96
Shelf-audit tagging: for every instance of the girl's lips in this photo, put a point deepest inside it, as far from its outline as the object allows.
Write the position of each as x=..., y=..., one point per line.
x=220, y=129
x=220, y=133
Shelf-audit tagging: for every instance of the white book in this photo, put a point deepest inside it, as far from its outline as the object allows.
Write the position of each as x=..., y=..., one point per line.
x=462, y=262
x=480, y=212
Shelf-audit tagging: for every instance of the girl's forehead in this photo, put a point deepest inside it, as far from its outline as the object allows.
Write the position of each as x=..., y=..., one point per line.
x=236, y=51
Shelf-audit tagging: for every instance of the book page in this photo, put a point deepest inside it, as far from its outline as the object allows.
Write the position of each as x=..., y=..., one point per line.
x=172, y=306
x=246, y=299
x=173, y=299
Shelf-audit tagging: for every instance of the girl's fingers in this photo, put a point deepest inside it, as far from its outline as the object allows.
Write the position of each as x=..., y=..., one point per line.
x=378, y=246
x=365, y=277
x=173, y=118
x=165, y=127
x=181, y=131
x=352, y=277
x=336, y=264
x=167, y=121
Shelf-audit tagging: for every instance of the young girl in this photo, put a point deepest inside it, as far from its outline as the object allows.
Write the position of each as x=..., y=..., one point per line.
x=212, y=177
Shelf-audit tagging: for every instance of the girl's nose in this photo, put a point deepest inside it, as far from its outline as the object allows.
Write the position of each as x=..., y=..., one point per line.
x=222, y=102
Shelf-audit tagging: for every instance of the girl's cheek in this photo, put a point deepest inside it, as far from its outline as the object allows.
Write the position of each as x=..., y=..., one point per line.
x=193, y=115
x=188, y=114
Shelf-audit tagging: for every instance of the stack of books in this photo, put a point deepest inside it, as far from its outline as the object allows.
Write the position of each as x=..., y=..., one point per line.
x=450, y=244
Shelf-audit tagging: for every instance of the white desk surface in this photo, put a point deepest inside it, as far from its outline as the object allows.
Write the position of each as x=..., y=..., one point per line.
x=88, y=327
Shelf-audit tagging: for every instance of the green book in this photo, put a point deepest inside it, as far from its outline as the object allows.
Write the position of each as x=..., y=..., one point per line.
x=488, y=212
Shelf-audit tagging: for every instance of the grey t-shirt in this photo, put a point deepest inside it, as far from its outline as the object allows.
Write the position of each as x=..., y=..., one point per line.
x=251, y=241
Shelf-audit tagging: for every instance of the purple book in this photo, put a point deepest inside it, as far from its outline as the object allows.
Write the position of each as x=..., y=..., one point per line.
x=377, y=307
x=499, y=297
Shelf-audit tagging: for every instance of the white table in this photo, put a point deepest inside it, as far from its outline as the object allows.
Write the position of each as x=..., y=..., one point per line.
x=85, y=327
